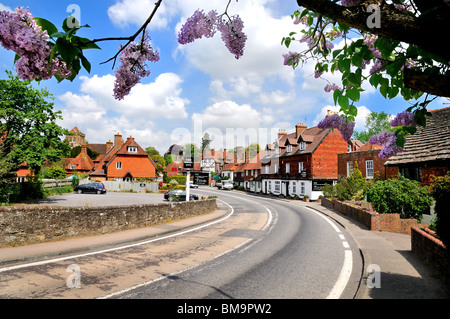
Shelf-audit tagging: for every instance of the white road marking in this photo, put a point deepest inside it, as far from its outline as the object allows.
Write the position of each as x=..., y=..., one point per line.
x=49, y=261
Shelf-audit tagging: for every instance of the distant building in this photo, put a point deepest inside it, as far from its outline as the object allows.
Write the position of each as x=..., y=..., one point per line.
x=77, y=139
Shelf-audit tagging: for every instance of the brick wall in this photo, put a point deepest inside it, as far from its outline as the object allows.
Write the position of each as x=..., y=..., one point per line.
x=372, y=220
x=431, y=250
x=22, y=225
x=324, y=159
x=361, y=158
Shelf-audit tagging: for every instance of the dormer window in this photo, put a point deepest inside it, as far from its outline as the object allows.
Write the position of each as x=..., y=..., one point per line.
x=302, y=146
x=132, y=149
x=289, y=148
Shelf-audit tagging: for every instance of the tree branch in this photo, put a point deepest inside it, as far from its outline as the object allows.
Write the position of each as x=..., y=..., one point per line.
x=435, y=84
x=132, y=38
x=394, y=23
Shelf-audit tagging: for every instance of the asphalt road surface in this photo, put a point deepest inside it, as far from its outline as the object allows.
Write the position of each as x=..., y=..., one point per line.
x=266, y=248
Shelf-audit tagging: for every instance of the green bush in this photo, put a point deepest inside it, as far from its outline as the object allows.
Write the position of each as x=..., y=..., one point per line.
x=181, y=180
x=352, y=187
x=329, y=191
x=440, y=189
x=402, y=196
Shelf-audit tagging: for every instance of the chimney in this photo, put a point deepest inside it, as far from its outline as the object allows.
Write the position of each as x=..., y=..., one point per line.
x=117, y=141
x=247, y=155
x=109, y=145
x=84, y=149
x=281, y=133
x=299, y=128
x=213, y=152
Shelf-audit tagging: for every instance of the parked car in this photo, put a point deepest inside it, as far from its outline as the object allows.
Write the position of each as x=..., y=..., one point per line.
x=178, y=195
x=192, y=185
x=95, y=187
x=226, y=184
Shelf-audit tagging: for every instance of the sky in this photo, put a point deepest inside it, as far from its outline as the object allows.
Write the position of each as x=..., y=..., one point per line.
x=195, y=88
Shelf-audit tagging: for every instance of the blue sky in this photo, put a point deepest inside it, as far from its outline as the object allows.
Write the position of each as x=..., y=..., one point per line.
x=197, y=87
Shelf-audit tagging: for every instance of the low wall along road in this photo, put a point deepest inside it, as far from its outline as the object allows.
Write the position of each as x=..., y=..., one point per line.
x=24, y=225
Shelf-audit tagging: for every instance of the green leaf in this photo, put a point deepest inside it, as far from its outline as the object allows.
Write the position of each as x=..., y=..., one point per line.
x=336, y=95
x=343, y=102
x=353, y=94
x=393, y=91
x=375, y=79
x=354, y=79
x=86, y=64
x=357, y=60
x=344, y=65
x=46, y=25
x=353, y=111
x=395, y=66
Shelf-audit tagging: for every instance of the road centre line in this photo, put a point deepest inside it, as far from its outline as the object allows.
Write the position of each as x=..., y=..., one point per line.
x=49, y=261
x=267, y=225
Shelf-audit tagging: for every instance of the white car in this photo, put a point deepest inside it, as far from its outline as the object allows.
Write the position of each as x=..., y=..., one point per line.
x=192, y=185
x=226, y=185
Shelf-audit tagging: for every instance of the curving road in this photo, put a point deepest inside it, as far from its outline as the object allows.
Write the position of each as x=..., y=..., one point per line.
x=301, y=254
x=266, y=248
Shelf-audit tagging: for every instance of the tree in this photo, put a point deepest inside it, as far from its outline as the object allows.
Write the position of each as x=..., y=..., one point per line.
x=375, y=124
x=253, y=150
x=159, y=162
x=399, y=40
x=192, y=150
x=75, y=151
x=28, y=125
x=206, y=140
x=151, y=151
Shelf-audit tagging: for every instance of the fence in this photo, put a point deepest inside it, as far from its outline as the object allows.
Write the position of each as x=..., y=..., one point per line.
x=136, y=187
x=52, y=183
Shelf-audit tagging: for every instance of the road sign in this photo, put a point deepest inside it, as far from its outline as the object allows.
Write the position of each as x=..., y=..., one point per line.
x=188, y=162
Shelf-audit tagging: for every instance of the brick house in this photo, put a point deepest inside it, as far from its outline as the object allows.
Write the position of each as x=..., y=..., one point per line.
x=302, y=162
x=81, y=164
x=427, y=152
x=125, y=161
x=367, y=159
x=174, y=169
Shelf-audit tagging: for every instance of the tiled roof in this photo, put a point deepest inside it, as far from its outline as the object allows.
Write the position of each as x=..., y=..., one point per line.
x=82, y=162
x=429, y=143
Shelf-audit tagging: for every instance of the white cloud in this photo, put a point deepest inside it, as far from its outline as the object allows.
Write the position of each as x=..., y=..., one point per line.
x=95, y=111
x=5, y=8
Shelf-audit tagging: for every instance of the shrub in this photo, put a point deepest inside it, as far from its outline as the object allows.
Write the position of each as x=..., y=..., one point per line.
x=329, y=191
x=352, y=187
x=402, y=196
x=180, y=179
x=440, y=189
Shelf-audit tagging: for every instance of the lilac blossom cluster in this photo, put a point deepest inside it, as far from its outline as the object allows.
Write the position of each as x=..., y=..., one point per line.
x=332, y=87
x=197, y=26
x=335, y=121
x=404, y=118
x=233, y=36
x=20, y=33
x=388, y=140
x=133, y=66
x=291, y=58
x=205, y=25
x=350, y=3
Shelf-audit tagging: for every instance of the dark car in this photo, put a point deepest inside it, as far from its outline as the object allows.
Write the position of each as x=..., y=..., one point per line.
x=178, y=195
x=96, y=187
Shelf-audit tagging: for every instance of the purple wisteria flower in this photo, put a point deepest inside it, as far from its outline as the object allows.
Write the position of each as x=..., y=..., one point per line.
x=197, y=26
x=404, y=118
x=388, y=141
x=20, y=33
x=233, y=36
x=133, y=66
x=344, y=126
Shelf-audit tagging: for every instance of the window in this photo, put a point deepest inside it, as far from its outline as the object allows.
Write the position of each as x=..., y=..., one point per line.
x=276, y=168
x=119, y=165
x=294, y=187
x=72, y=166
x=302, y=146
x=300, y=167
x=349, y=168
x=302, y=187
x=277, y=186
x=289, y=148
x=349, y=148
x=288, y=168
x=268, y=152
x=132, y=149
x=369, y=169
x=266, y=169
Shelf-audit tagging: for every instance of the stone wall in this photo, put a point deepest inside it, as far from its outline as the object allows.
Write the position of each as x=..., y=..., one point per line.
x=23, y=225
x=373, y=220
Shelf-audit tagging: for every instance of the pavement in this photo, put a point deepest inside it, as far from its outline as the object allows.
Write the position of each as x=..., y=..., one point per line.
x=391, y=270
